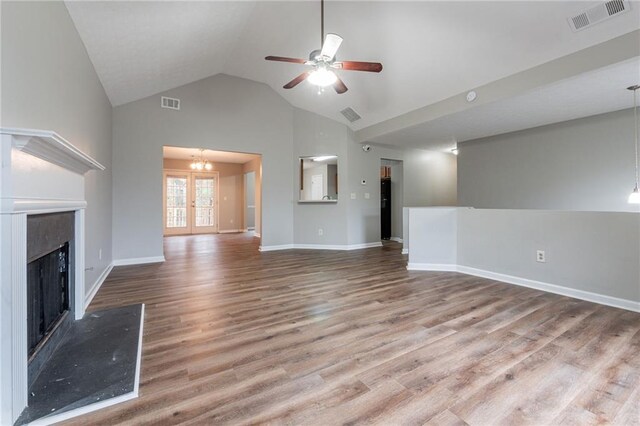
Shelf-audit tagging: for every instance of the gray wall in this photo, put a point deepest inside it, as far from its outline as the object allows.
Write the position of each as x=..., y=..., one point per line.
x=315, y=135
x=584, y=164
x=49, y=83
x=233, y=114
x=220, y=113
x=597, y=252
x=429, y=179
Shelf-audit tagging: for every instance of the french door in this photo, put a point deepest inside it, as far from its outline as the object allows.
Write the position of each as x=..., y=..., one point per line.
x=190, y=202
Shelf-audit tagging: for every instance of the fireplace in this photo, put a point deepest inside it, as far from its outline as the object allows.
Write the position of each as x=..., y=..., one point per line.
x=49, y=260
x=42, y=206
x=47, y=296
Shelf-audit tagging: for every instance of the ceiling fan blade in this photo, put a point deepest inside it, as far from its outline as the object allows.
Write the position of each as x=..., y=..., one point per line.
x=331, y=45
x=358, y=66
x=299, y=79
x=283, y=59
x=339, y=86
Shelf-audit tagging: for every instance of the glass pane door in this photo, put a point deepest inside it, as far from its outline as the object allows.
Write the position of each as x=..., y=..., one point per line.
x=204, y=195
x=190, y=202
x=176, y=215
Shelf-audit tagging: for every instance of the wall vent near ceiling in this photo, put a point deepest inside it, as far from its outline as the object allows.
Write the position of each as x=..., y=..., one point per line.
x=350, y=114
x=170, y=103
x=598, y=13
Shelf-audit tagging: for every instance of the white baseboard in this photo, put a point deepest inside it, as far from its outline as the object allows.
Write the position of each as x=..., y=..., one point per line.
x=397, y=239
x=431, y=267
x=601, y=299
x=405, y=251
x=274, y=248
x=56, y=418
x=362, y=246
x=321, y=246
x=138, y=261
x=553, y=288
x=96, y=286
x=231, y=231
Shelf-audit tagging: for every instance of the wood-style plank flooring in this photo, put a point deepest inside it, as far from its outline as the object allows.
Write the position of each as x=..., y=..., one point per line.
x=234, y=336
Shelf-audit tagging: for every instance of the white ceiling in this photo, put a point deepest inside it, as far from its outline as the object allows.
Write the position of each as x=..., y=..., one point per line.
x=177, y=153
x=587, y=94
x=430, y=50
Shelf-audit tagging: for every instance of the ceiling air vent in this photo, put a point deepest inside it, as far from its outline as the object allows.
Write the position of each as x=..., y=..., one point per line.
x=350, y=114
x=170, y=103
x=598, y=14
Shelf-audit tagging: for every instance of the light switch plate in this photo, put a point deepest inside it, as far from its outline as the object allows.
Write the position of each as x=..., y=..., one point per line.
x=353, y=195
x=367, y=195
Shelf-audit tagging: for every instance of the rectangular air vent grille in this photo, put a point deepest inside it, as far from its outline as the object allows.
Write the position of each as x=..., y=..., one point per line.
x=170, y=103
x=580, y=21
x=350, y=114
x=598, y=14
x=614, y=6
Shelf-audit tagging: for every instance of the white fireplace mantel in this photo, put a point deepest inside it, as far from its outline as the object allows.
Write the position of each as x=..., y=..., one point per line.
x=40, y=172
x=53, y=148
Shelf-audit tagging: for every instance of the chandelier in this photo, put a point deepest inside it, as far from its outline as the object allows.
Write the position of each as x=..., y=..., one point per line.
x=200, y=163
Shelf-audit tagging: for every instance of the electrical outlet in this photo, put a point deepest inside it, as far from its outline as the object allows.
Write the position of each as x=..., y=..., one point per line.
x=100, y=254
x=224, y=198
x=320, y=231
x=541, y=256
x=353, y=195
x=367, y=195
x=231, y=220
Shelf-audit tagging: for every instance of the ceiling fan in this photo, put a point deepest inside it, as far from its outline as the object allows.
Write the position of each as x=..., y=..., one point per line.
x=324, y=62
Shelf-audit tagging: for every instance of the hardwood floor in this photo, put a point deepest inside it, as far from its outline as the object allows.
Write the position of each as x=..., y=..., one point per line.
x=233, y=336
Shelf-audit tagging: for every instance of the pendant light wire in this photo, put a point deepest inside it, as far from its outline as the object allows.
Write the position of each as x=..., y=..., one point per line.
x=635, y=119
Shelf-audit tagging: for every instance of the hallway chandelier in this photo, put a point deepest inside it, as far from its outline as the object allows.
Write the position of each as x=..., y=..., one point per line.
x=634, y=198
x=200, y=163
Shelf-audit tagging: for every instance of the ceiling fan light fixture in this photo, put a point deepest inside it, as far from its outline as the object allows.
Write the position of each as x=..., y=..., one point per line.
x=322, y=77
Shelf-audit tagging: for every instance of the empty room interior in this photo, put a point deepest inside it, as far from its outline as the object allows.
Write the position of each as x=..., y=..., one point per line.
x=320, y=212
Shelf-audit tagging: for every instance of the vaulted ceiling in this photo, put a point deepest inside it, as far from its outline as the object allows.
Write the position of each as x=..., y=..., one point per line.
x=431, y=51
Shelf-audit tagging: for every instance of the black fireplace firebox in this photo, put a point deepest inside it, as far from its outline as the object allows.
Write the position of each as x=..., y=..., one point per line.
x=47, y=293
x=49, y=243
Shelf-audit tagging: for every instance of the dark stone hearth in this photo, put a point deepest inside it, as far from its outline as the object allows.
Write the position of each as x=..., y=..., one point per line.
x=95, y=361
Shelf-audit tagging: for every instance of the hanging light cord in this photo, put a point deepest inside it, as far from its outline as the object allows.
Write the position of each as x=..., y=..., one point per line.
x=635, y=119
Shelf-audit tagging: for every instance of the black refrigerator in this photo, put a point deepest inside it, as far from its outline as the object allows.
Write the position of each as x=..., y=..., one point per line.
x=385, y=208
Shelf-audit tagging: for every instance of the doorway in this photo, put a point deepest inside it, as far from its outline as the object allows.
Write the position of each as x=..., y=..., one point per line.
x=190, y=202
x=210, y=192
x=391, y=199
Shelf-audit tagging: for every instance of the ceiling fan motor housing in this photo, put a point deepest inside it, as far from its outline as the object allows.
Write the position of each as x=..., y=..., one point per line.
x=316, y=56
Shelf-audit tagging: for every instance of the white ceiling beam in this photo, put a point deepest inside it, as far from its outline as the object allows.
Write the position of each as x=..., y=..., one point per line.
x=601, y=55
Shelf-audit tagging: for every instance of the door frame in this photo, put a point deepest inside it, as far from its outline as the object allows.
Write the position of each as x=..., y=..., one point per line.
x=189, y=230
